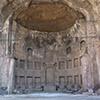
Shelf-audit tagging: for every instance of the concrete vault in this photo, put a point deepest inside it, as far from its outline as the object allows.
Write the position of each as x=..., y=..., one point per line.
x=47, y=17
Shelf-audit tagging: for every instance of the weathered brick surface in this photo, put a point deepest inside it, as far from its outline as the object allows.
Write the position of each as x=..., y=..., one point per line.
x=49, y=48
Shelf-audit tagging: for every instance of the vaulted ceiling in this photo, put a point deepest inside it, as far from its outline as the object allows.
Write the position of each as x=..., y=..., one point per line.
x=47, y=17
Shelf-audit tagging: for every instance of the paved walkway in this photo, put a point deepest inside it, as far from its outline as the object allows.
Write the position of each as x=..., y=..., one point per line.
x=49, y=96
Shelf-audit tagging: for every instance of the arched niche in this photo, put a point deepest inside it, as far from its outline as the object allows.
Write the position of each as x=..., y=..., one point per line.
x=68, y=50
x=29, y=52
x=50, y=77
x=82, y=45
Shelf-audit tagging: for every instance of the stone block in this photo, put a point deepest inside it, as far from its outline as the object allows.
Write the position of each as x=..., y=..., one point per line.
x=49, y=88
x=98, y=92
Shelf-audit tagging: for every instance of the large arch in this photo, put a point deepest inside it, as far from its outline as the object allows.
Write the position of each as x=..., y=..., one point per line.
x=92, y=47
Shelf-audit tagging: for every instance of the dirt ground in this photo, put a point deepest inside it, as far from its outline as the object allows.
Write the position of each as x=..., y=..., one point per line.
x=49, y=96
